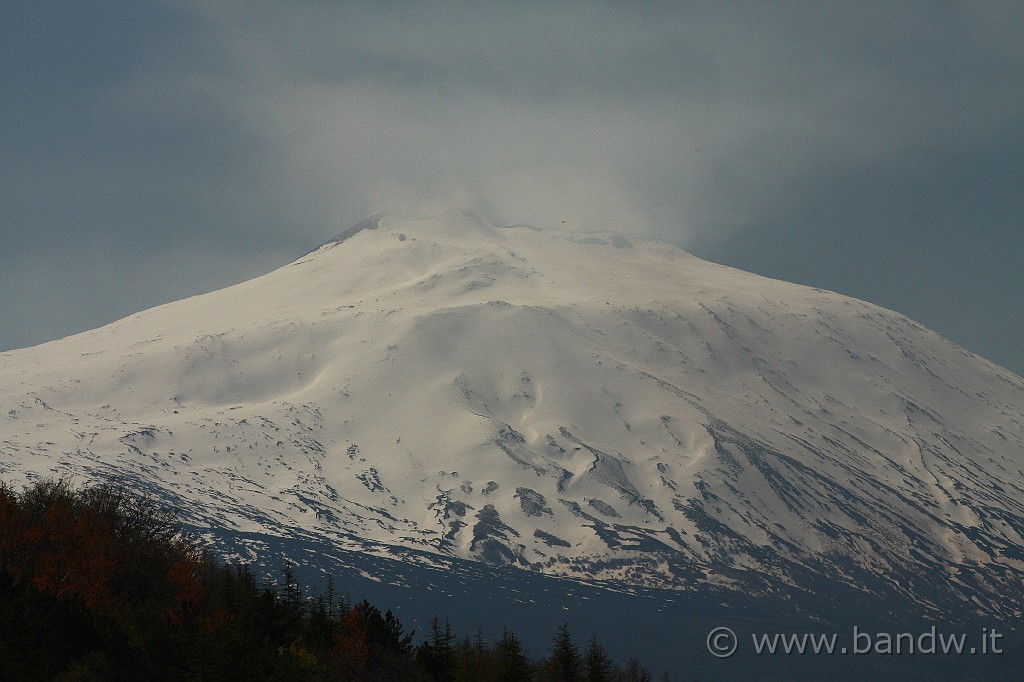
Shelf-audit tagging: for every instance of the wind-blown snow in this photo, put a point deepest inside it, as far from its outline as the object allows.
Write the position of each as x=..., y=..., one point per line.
x=573, y=404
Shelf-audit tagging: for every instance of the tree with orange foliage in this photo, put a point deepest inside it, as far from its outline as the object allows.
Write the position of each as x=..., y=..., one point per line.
x=351, y=651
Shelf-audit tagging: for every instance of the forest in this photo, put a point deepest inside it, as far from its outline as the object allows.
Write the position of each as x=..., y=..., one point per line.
x=100, y=583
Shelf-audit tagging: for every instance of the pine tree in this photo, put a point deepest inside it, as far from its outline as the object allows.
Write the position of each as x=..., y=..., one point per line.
x=330, y=596
x=597, y=666
x=292, y=591
x=436, y=657
x=635, y=672
x=513, y=665
x=564, y=664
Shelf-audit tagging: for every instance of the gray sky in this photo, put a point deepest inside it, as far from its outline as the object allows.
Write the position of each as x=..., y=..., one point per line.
x=153, y=150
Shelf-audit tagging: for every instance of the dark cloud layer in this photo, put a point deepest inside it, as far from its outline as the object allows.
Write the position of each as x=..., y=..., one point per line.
x=158, y=149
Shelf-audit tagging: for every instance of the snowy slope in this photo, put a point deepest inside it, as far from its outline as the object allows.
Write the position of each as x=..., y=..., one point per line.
x=572, y=404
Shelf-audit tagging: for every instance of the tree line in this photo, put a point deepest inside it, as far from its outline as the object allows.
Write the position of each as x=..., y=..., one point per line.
x=99, y=583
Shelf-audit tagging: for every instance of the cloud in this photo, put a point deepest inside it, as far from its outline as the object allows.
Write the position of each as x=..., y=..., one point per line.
x=687, y=121
x=381, y=119
x=255, y=130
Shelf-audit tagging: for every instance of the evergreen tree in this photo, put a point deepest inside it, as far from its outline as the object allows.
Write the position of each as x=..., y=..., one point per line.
x=512, y=663
x=635, y=672
x=329, y=595
x=597, y=666
x=292, y=591
x=468, y=662
x=436, y=656
x=564, y=663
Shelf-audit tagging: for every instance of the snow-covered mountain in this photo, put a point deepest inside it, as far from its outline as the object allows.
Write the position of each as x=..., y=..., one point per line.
x=578, y=405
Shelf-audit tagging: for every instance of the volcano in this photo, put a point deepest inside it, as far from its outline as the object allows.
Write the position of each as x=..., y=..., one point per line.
x=615, y=412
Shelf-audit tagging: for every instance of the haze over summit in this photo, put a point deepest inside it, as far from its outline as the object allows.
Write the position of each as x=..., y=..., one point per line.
x=155, y=150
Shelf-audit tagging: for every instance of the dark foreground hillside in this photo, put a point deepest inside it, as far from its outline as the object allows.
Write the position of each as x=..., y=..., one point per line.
x=100, y=584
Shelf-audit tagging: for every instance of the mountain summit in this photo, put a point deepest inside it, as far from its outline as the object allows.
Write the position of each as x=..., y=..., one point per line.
x=574, y=404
